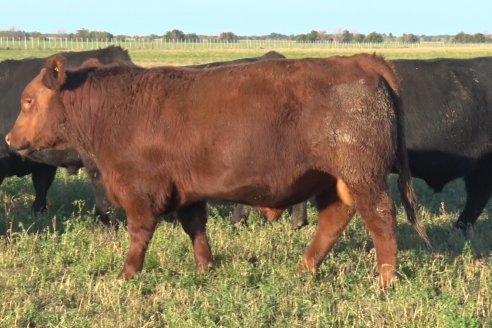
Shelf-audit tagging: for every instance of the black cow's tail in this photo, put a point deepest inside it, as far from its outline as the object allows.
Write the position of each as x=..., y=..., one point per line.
x=403, y=169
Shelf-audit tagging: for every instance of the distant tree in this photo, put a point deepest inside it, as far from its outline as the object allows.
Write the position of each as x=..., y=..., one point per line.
x=313, y=36
x=153, y=36
x=101, y=35
x=228, y=36
x=83, y=33
x=409, y=38
x=343, y=36
x=192, y=37
x=463, y=37
x=359, y=38
x=322, y=35
x=87, y=34
x=469, y=38
x=121, y=37
x=276, y=36
x=389, y=37
x=36, y=35
x=174, y=35
x=300, y=37
x=374, y=37
x=478, y=38
x=13, y=33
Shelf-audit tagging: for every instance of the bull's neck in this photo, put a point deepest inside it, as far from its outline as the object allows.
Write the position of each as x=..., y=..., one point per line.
x=82, y=114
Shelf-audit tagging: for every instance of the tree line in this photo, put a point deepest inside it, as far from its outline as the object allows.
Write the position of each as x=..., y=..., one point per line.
x=313, y=36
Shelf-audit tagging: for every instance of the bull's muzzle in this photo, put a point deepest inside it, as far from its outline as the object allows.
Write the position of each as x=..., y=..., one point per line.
x=21, y=150
x=7, y=139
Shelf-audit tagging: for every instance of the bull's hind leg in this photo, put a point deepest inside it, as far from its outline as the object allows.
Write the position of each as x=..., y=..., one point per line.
x=193, y=218
x=333, y=217
x=376, y=207
x=141, y=227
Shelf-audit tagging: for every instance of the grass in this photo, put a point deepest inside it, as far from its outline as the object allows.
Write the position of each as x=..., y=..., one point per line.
x=154, y=57
x=197, y=56
x=59, y=269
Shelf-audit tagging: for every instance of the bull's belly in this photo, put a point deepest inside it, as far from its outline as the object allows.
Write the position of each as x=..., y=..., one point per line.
x=274, y=192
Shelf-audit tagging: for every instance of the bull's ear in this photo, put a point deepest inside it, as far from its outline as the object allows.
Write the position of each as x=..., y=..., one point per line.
x=54, y=72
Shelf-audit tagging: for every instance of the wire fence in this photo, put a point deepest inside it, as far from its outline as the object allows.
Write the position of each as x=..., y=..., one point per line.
x=141, y=43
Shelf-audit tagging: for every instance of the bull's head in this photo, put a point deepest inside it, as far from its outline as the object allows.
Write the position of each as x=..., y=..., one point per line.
x=40, y=122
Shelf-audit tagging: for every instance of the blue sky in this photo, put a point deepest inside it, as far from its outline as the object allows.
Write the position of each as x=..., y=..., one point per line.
x=253, y=17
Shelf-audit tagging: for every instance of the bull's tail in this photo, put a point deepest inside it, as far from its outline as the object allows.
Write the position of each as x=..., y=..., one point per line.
x=403, y=168
x=387, y=72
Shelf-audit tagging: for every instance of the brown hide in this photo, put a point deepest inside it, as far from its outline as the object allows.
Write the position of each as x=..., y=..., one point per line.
x=269, y=134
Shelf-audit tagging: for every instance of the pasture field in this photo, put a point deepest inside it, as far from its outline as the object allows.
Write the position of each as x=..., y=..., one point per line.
x=154, y=57
x=59, y=269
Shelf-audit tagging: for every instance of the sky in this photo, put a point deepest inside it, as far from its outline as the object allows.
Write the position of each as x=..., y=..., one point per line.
x=252, y=17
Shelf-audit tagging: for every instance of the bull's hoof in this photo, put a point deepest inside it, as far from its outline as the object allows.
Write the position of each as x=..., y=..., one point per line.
x=127, y=273
x=203, y=266
x=387, y=275
x=306, y=266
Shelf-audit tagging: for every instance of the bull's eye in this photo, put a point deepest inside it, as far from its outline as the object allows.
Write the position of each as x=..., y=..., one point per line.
x=27, y=105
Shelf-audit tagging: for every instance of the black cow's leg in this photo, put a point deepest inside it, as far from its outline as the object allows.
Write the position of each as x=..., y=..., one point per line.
x=193, y=219
x=240, y=214
x=299, y=215
x=478, y=192
x=102, y=203
x=42, y=178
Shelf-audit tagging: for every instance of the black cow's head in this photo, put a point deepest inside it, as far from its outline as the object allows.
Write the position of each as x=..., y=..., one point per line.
x=40, y=122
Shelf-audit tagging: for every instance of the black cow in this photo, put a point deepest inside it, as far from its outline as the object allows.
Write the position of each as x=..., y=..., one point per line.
x=266, y=56
x=14, y=76
x=448, y=127
x=448, y=122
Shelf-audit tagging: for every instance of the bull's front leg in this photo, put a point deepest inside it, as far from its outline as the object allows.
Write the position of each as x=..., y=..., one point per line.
x=193, y=219
x=141, y=227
